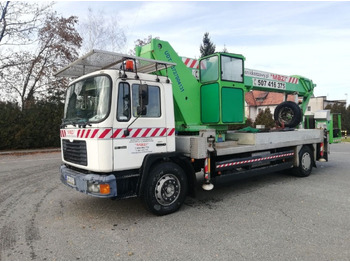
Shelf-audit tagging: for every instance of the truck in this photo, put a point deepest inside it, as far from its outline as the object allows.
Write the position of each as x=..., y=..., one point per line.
x=145, y=126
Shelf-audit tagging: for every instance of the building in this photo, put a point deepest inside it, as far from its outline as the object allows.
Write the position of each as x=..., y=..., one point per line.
x=320, y=103
x=257, y=101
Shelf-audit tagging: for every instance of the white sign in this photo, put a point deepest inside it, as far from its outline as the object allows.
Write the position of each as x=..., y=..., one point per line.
x=271, y=76
x=269, y=83
x=141, y=146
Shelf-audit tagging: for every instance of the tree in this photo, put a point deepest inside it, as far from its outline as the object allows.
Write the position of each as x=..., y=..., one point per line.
x=265, y=118
x=247, y=123
x=142, y=42
x=31, y=73
x=19, y=26
x=207, y=47
x=99, y=32
x=345, y=115
x=3, y=19
x=19, y=21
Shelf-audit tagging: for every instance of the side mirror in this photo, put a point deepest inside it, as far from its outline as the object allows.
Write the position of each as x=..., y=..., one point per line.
x=143, y=95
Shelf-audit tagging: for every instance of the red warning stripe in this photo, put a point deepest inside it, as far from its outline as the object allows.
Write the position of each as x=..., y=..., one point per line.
x=108, y=133
x=253, y=160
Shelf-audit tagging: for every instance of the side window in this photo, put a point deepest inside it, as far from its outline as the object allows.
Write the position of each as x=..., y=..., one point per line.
x=153, y=106
x=232, y=69
x=123, y=108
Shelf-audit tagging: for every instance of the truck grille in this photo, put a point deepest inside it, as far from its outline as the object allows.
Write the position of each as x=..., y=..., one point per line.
x=75, y=152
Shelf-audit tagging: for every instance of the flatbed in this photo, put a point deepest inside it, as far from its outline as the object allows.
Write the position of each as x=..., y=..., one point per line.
x=239, y=142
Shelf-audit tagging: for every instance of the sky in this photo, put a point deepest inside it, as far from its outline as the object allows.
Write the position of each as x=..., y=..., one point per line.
x=311, y=39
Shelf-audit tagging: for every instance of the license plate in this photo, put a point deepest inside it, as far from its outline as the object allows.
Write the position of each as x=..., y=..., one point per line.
x=70, y=180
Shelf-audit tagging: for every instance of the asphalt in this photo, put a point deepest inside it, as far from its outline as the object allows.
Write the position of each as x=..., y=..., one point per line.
x=29, y=151
x=271, y=217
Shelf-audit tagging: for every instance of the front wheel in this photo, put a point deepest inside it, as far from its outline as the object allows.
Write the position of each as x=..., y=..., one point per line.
x=166, y=188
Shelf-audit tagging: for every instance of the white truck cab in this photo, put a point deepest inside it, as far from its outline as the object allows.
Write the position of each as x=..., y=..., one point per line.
x=115, y=132
x=112, y=120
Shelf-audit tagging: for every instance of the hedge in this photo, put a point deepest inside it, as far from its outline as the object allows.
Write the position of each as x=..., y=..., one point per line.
x=36, y=127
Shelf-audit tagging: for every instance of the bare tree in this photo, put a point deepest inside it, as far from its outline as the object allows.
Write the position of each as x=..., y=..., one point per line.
x=101, y=32
x=142, y=42
x=19, y=21
x=19, y=26
x=3, y=19
x=31, y=74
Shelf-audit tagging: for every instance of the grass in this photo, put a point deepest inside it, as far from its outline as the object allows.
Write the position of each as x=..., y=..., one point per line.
x=345, y=140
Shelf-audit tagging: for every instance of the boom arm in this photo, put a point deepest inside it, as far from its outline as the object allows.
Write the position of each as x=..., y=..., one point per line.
x=217, y=99
x=265, y=81
x=186, y=88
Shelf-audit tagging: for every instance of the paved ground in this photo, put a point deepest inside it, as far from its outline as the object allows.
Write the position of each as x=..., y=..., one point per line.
x=271, y=217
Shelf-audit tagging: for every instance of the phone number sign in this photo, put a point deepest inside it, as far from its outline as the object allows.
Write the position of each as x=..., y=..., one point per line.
x=269, y=84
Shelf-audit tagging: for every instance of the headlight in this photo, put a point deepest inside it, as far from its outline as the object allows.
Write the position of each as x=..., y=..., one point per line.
x=98, y=188
x=93, y=188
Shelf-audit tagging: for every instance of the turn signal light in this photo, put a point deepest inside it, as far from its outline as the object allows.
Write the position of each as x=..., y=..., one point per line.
x=105, y=189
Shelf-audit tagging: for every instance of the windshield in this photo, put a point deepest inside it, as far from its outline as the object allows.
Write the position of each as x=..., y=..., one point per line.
x=88, y=100
x=209, y=69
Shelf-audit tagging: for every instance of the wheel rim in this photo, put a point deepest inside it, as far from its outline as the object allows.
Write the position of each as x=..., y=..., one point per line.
x=286, y=115
x=167, y=189
x=306, y=161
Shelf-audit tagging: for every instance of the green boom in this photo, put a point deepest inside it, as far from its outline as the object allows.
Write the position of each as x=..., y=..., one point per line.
x=217, y=98
x=265, y=81
x=185, y=85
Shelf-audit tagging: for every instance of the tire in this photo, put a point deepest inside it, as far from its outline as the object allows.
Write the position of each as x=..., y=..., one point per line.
x=305, y=162
x=288, y=114
x=166, y=189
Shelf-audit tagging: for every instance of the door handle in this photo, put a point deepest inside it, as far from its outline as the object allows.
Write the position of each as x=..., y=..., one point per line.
x=120, y=147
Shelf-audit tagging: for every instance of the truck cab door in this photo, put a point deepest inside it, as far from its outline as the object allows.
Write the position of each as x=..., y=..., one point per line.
x=141, y=125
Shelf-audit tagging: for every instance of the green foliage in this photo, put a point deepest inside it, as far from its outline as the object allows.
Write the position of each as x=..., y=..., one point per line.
x=247, y=123
x=207, y=48
x=10, y=115
x=36, y=127
x=265, y=118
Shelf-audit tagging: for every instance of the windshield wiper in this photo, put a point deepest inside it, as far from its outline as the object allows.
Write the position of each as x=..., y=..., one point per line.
x=64, y=124
x=79, y=124
x=83, y=124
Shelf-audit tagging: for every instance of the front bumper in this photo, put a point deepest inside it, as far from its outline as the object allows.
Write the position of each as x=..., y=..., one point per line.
x=81, y=182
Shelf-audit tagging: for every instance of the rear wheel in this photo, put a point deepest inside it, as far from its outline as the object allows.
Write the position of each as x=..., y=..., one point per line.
x=166, y=188
x=305, y=162
x=288, y=114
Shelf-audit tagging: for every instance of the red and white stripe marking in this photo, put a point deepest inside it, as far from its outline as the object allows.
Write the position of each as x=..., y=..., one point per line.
x=254, y=160
x=191, y=63
x=63, y=133
x=109, y=133
x=293, y=80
